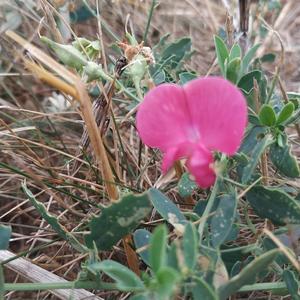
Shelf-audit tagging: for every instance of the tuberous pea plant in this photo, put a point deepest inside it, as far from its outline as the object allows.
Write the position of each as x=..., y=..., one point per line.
x=229, y=135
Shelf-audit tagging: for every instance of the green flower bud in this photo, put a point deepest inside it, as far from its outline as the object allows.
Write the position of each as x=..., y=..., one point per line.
x=137, y=68
x=68, y=54
x=95, y=72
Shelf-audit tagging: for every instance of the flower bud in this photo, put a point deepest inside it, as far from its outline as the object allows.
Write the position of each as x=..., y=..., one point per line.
x=95, y=71
x=68, y=54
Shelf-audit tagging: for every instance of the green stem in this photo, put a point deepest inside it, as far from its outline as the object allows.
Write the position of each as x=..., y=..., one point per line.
x=266, y=286
x=149, y=20
x=273, y=83
x=58, y=285
x=2, y=284
x=208, y=208
x=103, y=23
x=128, y=93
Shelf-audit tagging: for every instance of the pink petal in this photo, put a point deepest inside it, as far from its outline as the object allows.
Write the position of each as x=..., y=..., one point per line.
x=163, y=118
x=176, y=153
x=200, y=166
x=219, y=111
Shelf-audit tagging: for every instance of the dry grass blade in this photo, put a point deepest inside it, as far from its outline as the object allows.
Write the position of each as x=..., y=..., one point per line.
x=48, y=77
x=43, y=57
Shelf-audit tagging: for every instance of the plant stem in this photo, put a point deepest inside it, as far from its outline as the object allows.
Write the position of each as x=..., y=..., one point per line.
x=208, y=208
x=58, y=285
x=149, y=20
x=103, y=23
x=266, y=286
x=2, y=284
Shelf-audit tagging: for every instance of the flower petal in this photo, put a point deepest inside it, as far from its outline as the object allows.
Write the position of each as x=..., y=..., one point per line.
x=175, y=153
x=200, y=166
x=219, y=111
x=162, y=119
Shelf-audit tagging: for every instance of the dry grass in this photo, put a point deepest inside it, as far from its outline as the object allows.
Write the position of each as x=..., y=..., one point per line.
x=38, y=143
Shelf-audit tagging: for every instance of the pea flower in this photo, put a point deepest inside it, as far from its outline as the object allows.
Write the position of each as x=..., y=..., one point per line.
x=192, y=121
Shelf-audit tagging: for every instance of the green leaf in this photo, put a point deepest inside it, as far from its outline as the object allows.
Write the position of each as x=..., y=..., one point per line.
x=267, y=115
x=222, y=220
x=247, y=275
x=256, y=154
x=292, y=284
x=186, y=77
x=52, y=220
x=177, y=49
x=235, y=52
x=222, y=53
x=274, y=204
x=190, y=245
x=167, y=279
x=118, y=220
x=172, y=256
x=294, y=119
x=186, y=185
x=251, y=139
x=160, y=77
x=268, y=58
x=5, y=233
x=246, y=82
x=125, y=279
x=283, y=160
x=232, y=69
x=141, y=239
x=202, y=291
x=158, y=248
x=285, y=113
x=166, y=208
x=247, y=59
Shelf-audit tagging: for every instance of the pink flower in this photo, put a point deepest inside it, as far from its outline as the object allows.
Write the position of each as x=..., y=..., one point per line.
x=205, y=115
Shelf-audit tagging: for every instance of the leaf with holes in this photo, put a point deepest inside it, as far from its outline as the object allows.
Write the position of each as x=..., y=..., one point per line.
x=166, y=208
x=283, y=160
x=222, y=220
x=186, y=185
x=274, y=204
x=118, y=220
x=141, y=239
x=255, y=156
